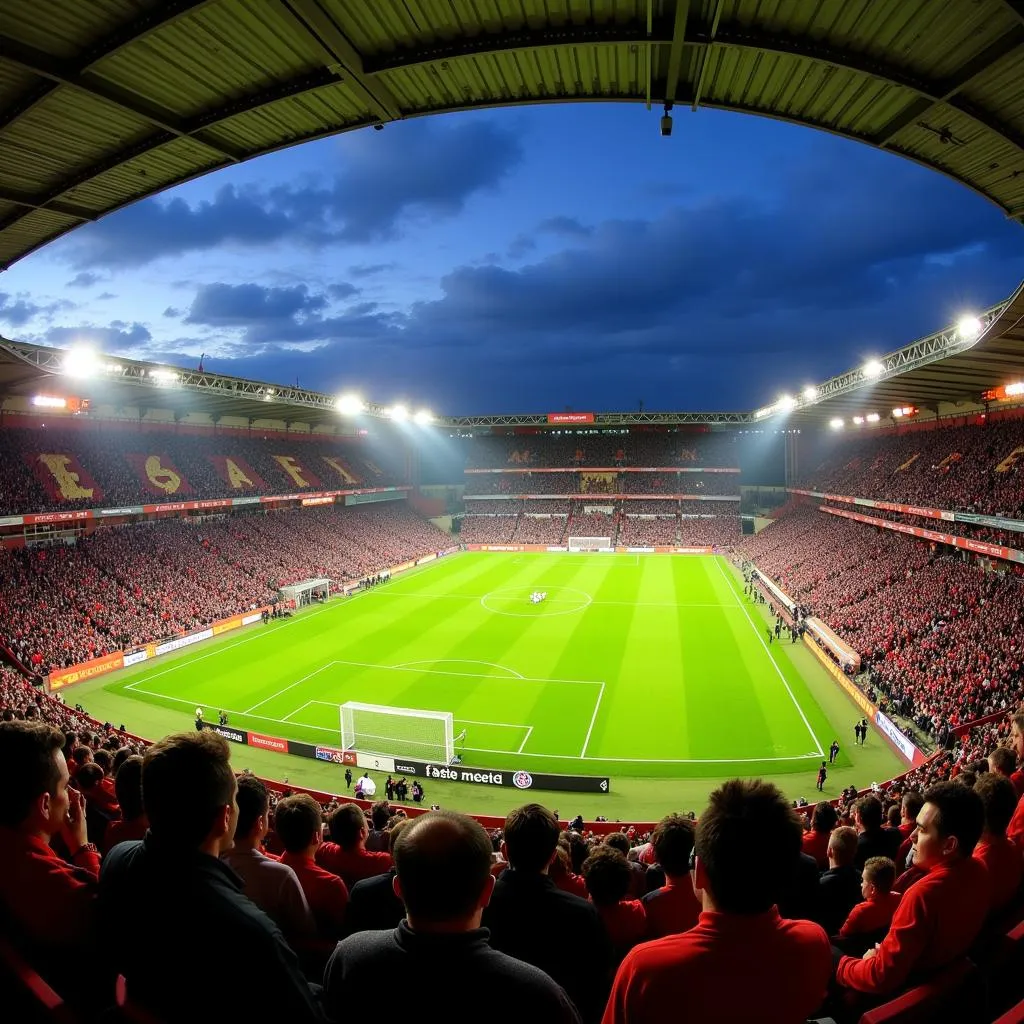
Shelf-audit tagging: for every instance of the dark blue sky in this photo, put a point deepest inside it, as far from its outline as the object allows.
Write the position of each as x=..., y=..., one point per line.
x=531, y=259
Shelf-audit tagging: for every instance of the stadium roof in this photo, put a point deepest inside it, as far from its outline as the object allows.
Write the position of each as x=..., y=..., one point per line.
x=938, y=374
x=102, y=104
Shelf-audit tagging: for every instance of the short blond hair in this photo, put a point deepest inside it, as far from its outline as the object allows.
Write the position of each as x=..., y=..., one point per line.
x=842, y=844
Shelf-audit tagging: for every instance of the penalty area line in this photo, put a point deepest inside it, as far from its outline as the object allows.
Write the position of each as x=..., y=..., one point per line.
x=593, y=719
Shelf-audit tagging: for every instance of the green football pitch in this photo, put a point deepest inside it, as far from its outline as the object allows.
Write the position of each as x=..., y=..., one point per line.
x=646, y=667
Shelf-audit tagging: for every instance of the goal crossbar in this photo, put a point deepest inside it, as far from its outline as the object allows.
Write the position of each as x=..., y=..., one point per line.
x=402, y=732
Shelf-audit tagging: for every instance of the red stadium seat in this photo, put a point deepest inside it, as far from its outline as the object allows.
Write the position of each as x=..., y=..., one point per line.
x=956, y=995
x=1015, y=1015
x=27, y=997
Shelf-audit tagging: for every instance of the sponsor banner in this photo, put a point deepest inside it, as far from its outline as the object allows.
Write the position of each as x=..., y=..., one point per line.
x=57, y=517
x=966, y=543
x=606, y=497
x=692, y=551
x=236, y=473
x=158, y=475
x=889, y=729
x=187, y=506
x=12, y=520
x=426, y=558
x=570, y=417
x=498, y=779
x=135, y=658
x=332, y=754
x=321, y=500
x=301, y=749
x=612, y=469
x=248, y=620
x=555, y=548
x=1016, y=525
x=244, y=501
x=63, y=477
x=232, y=735
x=645, y=551
x=859, y=698
x=183, y=641
x=375, y=762
x=134, y=510
x=86, y=670
x=257, y=739
x=843, y=652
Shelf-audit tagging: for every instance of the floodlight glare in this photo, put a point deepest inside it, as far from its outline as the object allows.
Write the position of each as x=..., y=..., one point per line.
x=968, y=327
x=836, y=423
x=80, y=361
x=1014, y=389
x=873, y=368
x=350, y=405
x=810, y=393
x=399, y=412
x=423, y=417
x=873, y=417
x=858, y=421
x=786, y=403
x=163, y=376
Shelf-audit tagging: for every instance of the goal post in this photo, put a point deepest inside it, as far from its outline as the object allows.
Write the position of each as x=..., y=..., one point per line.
x=398, y=732
x=589, y=543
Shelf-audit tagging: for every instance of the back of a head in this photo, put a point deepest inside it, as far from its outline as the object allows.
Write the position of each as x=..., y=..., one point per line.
x=531, y=835
x=395, y=831
x=869, y=810
x=961, y=814
x=880, y=872
x=912, y=803
x=618, y=841
x=443, y=863
x=673, y=844
x=186, y=780
x=379, y=814
x=607, y=874
x=999, y=799
x=748, y=840
x=842, y=845
x=346, y=824
x=128, y=787
x=253, y=801
x=1003, y=760
x=824, y=817
x=297, y=821
x=89, y=777
x=28, y=766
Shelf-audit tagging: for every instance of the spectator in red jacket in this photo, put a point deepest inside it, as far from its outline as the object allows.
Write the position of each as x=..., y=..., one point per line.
x=128, y=788
x=49, y=900
x=940, y=915
x=1001, y=857
x=742, y=961
x=297, y=821
x=346, y=854
x=868, y=922
x=1003, y=761
x=608, y=876
x=673, y=908
x=1015, y=831
x=815, y=843
x=910, y=808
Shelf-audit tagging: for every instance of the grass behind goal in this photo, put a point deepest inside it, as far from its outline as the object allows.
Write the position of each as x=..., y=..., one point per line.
x=645, y=666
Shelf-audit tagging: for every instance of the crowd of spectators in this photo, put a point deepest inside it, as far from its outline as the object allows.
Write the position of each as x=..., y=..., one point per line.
x=976, y=467
x=122, y=587
x=488, y=529
x=602, y=451
x=540, y=529
x=648, y=532
x=710, y=484
x=106, y=452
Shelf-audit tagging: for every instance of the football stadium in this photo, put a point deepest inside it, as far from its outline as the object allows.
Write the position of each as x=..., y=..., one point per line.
x=603, y=715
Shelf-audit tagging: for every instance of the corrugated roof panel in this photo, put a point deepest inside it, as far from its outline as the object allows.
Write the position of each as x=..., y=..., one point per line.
x=66, y=28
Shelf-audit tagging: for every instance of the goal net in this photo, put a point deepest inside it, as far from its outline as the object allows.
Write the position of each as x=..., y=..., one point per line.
x=397, y=732
x=590, y=543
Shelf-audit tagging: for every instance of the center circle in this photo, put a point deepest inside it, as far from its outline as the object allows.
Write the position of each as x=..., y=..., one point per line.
x=515, y=601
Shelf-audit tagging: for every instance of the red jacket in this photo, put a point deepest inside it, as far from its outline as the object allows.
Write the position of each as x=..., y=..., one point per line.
x=325, y=893
x=1015, y=830
x=937, y=920
x=871, y=915
x=121, y=831
x=671, y=909
x=51, y=900
x=1005, y=866
x=816, y=845
x=738, y=968
x=352, y=866
x=625, y=922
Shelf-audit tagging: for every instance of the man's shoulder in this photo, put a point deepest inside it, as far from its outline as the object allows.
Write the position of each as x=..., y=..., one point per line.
x=122, y=858
x=802, y=933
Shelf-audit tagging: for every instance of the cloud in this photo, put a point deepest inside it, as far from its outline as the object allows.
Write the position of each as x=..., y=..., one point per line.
x=84, y=280
x=106, y=295
x=172, y=312
x=369, y=269
x=421, y=170
x=569, y=227
x=19, y=310
x=117, y=337
x=342, y=291
x=226, y=305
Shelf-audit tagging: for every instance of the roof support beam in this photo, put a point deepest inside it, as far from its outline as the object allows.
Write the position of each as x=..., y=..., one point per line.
x=706, y=56
x=675, y=54
x=337, y=48
x=947, y=89
x=138, y=28
x=1016, y=8
x=62, y=73
x=31, y=202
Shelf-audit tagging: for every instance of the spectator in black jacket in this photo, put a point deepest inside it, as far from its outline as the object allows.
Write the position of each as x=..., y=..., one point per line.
x=839, y=887
x=531, y=919
x=443, y=875
x=372, y=902
x=873, y=840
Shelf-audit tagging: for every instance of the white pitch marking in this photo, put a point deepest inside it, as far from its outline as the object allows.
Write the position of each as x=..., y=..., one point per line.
x=267, y=700
x=460, y=661
x=529, y=729
x=593, y=719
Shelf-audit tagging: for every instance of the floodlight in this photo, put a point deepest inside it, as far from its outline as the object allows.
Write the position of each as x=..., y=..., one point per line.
x=873, y=368
x=162, y=376
x=969, y=327
x=350, y=405
x=810, y=393
x=836, y=423
x=786, y=403
x=398, y=412
x=858, y=421
x=666, y=121
x=80, y=361
x=1014, y=389
x=423, y=417
x=49, y=402
x=873, y=417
